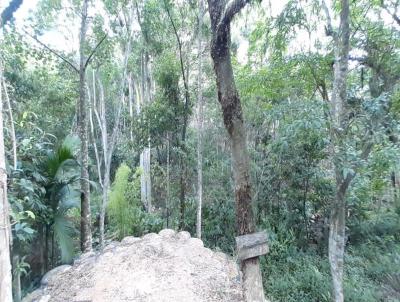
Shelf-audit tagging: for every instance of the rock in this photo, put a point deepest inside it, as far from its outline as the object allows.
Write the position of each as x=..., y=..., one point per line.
x=129, y=240
x=183, y=236
x=34, y=296
x=151, y=236
x=111, y=246
x=85, y=257
x=53, y=273
x=167, y=233
x=45, y=298
x=160, y=267
x=196, y=242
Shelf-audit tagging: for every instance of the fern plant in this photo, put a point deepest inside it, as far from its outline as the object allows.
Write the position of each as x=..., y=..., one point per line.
x=120, y=209
x=125, y=209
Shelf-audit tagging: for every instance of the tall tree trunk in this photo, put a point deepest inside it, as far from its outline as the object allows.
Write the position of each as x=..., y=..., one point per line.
x=16, y=280
x=107, y=164
x=185, y=77
x=46, y=247
x=182, y=193
x=5, y=228
x=167, y=203
x=339, y=121
x=221, y=16
x=86, y=233
x=145, y=156
x=109, y=141
x=145, y=98
x=12, y=129
x=199, y=123
x=41, y=249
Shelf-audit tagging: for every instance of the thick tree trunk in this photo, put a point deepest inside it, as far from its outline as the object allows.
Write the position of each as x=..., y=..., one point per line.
x=338, y=123
x=199, y=123
x=233, y=120
x=86, y=233
x=221, y=16
x=5, y=228
x=337, y=239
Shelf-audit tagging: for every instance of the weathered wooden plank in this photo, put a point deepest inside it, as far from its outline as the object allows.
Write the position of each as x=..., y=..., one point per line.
x=251, y=245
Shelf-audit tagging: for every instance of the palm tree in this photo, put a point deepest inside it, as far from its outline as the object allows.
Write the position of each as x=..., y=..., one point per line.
x=61, y=179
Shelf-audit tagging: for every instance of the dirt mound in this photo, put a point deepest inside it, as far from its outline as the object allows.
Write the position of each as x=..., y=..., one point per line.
x=169, y=266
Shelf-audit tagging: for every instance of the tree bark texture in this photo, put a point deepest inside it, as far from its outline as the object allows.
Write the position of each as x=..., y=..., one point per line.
x=86, y=233
x=221, y=15
x=182, y=160
x=145, y=156
x=338, y=123
x=200, y=105
x=12, y=128
x=5, y=228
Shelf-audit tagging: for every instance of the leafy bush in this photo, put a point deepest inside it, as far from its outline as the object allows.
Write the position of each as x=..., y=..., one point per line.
x=125, y=209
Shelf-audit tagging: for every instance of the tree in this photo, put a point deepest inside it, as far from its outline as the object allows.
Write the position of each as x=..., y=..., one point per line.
x=86, y=233
x=200, y=105
x=5, y=228
x=109, y=137
x=339, y=123
x=145, y=100
x=221, y=16
x=82, y=117
x=183, y=167
x=60, y=171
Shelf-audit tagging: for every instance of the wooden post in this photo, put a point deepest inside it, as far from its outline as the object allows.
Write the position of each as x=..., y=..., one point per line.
x=252, y=246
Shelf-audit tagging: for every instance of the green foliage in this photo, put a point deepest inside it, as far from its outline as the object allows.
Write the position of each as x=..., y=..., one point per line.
x=125, y=208
x=120, y=209
x=285, y=89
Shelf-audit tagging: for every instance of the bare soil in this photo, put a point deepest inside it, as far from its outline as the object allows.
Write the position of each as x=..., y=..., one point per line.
x=164, y=267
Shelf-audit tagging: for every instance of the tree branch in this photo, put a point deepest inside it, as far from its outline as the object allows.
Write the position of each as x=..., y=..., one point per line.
x=328, y=27
x=53, y=51
x=394, y=15
x=9, y=11
x=231, y=10
x=185, y=82
x=94, y=50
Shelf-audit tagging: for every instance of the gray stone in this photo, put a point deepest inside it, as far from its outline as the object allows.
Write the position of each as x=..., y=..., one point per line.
x=45, y=298
x=151, y=236
x=183, y=235
x=110, y=246
x=130, y=240
x=53, y=273
x=196, y=242
x=85, y=257
x=167, y=233
x=33, y=296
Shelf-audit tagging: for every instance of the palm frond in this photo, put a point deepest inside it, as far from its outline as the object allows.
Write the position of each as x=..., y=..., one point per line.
x=64, y=231
x=69, y=199
x=72, y=142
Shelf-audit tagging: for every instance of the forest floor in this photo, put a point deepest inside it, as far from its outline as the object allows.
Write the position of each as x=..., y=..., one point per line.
x=160, y=267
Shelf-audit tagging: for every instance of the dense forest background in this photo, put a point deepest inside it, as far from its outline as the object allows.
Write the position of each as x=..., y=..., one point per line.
x=111, y=115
